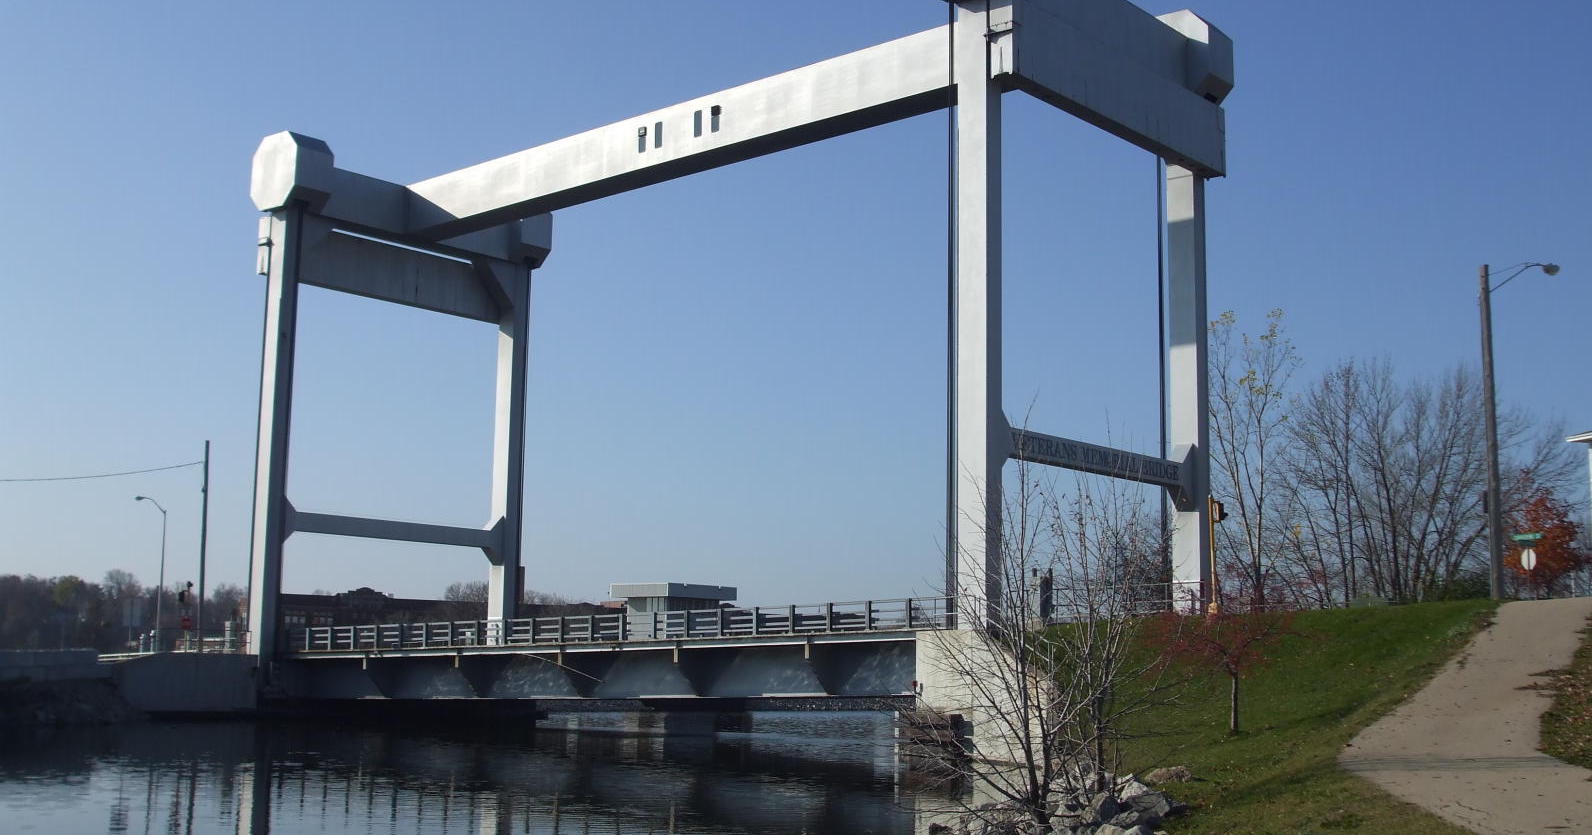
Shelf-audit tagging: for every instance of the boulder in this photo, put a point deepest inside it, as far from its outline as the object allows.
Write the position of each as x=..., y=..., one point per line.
x=1112, y=829
x=1170, y=774
x=1151, y=808
x=1103, y=807
x=1131, y=789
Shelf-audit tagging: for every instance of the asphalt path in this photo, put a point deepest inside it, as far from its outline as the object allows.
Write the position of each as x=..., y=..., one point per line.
x=1465, y=746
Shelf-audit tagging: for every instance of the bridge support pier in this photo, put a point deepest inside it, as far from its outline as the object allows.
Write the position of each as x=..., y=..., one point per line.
x=960, y=673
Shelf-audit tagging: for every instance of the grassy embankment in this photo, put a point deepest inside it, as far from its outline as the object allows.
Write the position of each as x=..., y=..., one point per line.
x=1342, y=671
x=1567, y=726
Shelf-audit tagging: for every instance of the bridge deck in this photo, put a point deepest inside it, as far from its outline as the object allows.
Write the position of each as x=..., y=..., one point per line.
x=871, y=620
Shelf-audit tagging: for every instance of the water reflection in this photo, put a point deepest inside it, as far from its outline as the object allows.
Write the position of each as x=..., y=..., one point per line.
x=774, y=773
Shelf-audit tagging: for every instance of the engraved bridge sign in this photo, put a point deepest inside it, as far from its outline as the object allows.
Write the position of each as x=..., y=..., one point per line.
x=1039, y=448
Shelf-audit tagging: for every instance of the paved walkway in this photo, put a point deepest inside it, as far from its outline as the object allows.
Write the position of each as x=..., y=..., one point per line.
x=1465, y=746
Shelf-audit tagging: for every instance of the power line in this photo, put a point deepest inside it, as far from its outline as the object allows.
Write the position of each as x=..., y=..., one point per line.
x=102, y=475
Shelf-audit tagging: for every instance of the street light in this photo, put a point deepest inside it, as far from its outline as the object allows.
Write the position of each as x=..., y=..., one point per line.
x=1495, y=524
x=160, y=590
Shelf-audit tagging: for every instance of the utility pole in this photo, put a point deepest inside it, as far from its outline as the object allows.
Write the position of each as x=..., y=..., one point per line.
x=204, y=530
x=1495, y=497
x=1495, y=544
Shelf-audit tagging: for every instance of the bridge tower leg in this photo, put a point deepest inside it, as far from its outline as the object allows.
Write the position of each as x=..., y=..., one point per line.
x=978, y=433
x=281, y=246
x=1188, y=382
x=508, y=443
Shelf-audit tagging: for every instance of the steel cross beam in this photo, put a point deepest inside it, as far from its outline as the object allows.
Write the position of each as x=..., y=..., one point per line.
x=1155, y=82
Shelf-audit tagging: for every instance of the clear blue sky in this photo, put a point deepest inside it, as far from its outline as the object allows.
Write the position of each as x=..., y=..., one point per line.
x=736, y=378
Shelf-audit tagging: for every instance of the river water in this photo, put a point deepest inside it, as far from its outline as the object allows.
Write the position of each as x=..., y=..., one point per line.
x=762, y=773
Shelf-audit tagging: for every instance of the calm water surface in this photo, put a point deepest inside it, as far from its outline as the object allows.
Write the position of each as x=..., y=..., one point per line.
x=770, y=772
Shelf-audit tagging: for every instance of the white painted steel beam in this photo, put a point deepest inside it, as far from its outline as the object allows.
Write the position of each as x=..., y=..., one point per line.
x=337, y=260
x=508, y=440
x=979, y=434
x=487, y=539
x=862, y=89
x=281, y=245
x=1156, y=83
x=290, y=168
x=1188, y=424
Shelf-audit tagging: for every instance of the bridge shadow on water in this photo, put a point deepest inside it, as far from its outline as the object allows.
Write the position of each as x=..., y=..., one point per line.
x=587, y=773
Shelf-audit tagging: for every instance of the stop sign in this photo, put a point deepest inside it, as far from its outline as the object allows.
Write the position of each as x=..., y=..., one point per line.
x=1528, y=558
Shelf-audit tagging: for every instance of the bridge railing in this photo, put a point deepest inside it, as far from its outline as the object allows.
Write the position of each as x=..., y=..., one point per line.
x=755, y=621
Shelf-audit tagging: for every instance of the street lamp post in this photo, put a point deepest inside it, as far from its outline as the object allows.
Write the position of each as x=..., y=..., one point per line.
x=160, y=590
x=1495, y=533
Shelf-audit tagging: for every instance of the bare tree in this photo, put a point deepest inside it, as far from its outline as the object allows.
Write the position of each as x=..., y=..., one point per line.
x=1321, y=488
x=475, y=591
x=466, y=600
x=1048, y=700
x=119, y=585
x=466, y=591
x=227, y=602
x=1386, y=482
x=1249, y=415
x=1361, y=484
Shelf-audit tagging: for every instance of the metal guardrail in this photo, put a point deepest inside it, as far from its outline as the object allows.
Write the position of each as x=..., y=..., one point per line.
x=1128, y=600
x=212, y=647
x=620, y=627
x=113, y=657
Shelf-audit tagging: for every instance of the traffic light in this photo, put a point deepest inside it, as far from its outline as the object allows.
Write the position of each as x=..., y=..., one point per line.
x=1218, y=511
x=186, y=593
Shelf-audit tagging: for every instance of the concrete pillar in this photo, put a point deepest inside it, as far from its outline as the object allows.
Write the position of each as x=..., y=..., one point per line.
x=1188, y=376
x=508, y=442
x=978, y=429
x=282, y=242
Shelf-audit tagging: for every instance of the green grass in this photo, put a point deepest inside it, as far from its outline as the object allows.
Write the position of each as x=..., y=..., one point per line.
x=1345, y=669
x=1567, y=726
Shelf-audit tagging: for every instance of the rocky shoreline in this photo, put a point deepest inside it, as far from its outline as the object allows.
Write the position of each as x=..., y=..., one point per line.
x=1128, y=807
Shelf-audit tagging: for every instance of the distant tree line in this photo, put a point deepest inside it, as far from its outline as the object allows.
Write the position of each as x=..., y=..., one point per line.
x=466, y=600
x=70, y=612
x=1361, y=483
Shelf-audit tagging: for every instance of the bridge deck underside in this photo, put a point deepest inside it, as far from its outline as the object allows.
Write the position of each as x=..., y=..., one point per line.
x=880, y=666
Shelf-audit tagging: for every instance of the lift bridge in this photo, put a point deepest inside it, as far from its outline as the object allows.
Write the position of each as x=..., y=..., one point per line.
x=467, y=243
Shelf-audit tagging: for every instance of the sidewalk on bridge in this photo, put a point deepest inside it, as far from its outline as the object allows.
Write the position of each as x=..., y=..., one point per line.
x=1465, y=746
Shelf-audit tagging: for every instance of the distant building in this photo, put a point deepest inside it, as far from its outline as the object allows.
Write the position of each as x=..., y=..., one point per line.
x=670, y=597
x=366, y=605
